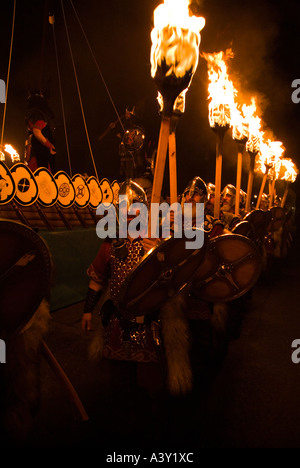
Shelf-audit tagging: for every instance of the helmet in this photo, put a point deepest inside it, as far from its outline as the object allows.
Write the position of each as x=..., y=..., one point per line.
x=196, y=185
x=133, y=191
x=146, y=182
x=130, y=109
x=211, y=189
x=243, y=198
x=264, y=202
x=228, y=197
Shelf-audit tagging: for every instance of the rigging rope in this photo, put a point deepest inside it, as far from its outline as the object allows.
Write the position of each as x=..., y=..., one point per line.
x=51, y=21
x=98, y=68
x=78, y=90
x=8, y=73
x=43, y=46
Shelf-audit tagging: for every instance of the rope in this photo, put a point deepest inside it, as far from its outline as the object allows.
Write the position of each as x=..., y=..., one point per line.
x=8, y=73
x=78, y=90
x=43, y=46
x=98, y=68
x=51, y=21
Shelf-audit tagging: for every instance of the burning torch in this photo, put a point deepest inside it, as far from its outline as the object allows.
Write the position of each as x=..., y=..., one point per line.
x=240, y=133
x=290, y=172
x=15, y=157
x=252, y=145
x=174, y=59
x=221, y=95
x=267, y=159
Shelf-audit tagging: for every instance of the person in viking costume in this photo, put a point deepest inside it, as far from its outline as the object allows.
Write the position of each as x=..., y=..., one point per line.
x=153, y=349
x=227, y=208
x=39, y=147
x=207, y=321
x=196, y=191
x=211, y=192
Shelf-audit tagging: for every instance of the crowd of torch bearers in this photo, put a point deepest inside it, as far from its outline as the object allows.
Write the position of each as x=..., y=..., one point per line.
x=174, y=58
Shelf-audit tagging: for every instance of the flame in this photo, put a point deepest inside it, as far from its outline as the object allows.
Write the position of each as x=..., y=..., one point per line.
x=240, y=126
x=288, y=170
x=269, y=157
x=254, y=127
x=175, y=39
x=13, y=153
x=221, y=90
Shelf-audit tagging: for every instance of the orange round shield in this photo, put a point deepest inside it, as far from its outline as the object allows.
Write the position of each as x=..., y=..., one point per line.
x=230, y=268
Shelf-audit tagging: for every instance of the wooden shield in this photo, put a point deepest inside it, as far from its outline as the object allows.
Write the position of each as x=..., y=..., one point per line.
x=230, y=268
x=162, y=273
x=25, y=270
x=277, y=218
x=244, y=228
x=260, y=220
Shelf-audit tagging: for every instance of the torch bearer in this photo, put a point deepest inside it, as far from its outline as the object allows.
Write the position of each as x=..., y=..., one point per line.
x=221, y=93
x=174, y=59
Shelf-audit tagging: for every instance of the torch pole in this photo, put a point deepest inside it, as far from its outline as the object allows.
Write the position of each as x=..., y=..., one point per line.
x=160, y=166
x=250, y=181
x=172, y=160
x=285, y=195
x=238, y=178
x=262, y=188
x=220, y=131
x=272, y=190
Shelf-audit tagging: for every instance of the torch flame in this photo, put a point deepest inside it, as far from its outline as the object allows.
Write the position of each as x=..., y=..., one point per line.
x=288, y=169
x=220, y=89
x=269, y=156
x=254, y=127
x=13, y=153
x=175, y=43
x=240, y=126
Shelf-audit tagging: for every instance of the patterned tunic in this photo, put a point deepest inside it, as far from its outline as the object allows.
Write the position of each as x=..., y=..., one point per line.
x=124, y=339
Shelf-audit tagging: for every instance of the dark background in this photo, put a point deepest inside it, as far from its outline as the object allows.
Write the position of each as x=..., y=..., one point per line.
x=262, y=34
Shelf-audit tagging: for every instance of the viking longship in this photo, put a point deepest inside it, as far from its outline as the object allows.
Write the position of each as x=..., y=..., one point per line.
x=61, y=206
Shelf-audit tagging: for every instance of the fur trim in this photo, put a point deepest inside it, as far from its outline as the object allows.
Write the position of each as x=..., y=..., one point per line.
x=95, y=350
x=219, y=319
x=277, y=236
x=176, y=341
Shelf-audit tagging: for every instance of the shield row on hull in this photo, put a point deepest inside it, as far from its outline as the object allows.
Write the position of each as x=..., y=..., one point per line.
x=20, y=184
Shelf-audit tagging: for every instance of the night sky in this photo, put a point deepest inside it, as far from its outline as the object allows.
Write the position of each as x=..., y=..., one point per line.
x=263, y=36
